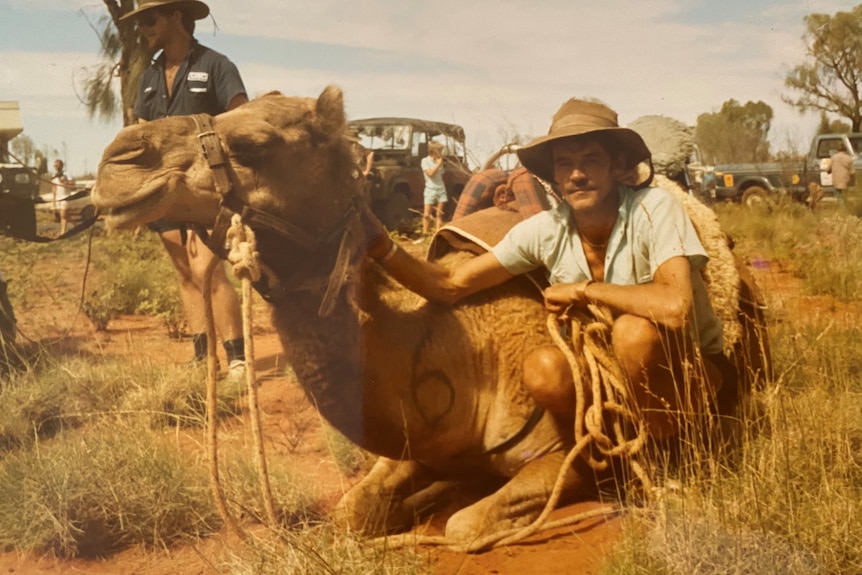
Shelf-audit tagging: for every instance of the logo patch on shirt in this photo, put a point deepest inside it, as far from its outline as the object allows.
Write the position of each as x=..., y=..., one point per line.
x=198, y=90
x=198, y=76
x=148, y=89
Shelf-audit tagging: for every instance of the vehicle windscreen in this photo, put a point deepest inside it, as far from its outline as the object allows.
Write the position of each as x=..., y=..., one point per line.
x=388, y=137
x=856, y=142
x=452, y=148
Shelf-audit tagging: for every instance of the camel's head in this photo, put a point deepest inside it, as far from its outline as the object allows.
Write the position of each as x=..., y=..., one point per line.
x=286, y=156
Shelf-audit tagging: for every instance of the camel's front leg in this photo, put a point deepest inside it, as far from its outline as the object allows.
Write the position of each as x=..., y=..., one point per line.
x=389, y=498
x=520, y=501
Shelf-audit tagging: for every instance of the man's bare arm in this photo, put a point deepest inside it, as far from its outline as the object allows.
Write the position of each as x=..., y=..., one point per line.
x=430, y=280
x=667, y=300
x=437, y=283
x=236, y=102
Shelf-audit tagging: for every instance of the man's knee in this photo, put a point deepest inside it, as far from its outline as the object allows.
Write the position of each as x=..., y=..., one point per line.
x=635, y=336
x=548, y=378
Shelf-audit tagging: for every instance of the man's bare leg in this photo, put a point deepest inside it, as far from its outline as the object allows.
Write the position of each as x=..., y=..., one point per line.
x=226, y=309
x=190, y=262
x=667, y=377
x=646, y=353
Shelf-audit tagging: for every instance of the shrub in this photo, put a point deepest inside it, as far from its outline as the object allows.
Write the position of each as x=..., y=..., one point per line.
x=87, y=494
x=133, y=276
x=323, y=549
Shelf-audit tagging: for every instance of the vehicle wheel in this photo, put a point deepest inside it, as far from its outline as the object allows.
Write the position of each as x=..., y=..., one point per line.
x=755, y=196
x=19, y=220
x=394, y=211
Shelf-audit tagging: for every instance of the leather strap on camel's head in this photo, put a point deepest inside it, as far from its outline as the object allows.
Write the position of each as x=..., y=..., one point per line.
x=348, y=231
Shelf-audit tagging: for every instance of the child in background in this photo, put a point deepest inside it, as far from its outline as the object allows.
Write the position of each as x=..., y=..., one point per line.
x=435, y=192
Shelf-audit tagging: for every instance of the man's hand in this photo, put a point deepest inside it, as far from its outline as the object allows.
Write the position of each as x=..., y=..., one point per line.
x=560, y=297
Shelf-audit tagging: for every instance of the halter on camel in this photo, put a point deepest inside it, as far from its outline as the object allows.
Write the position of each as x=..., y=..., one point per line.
x=269, y=286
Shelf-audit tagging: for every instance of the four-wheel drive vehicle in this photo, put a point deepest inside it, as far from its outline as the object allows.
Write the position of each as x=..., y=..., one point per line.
x=396, y=179
x=752, y=184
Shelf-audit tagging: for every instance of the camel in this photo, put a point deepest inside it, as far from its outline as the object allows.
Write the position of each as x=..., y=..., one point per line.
x=435, y=391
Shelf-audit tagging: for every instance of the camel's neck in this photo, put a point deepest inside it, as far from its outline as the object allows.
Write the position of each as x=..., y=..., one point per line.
x=337, y=359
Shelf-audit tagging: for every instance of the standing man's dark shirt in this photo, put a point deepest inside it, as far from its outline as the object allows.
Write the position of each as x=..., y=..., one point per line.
x=205, y=84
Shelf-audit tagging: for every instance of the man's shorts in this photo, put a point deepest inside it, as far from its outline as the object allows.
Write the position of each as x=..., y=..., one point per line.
x=162, y=226
x=434, y=196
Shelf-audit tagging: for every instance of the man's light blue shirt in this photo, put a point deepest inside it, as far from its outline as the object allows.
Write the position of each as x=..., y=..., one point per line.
x=652, y=227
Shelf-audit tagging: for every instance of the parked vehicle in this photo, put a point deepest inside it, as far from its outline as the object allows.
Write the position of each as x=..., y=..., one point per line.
x=19, y=186
x=754, y=184
x=698, y=177
x=396, y=180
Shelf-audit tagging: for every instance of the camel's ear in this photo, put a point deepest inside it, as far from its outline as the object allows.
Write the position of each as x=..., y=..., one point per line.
x=253, y=142
x=329, y=117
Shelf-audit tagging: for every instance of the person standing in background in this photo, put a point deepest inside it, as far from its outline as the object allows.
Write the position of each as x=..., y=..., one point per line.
x=841, y=168
x=435, y=191
x=60, y=190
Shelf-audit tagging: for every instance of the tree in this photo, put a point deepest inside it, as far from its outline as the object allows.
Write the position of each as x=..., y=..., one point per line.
x=827, y=126
x=736, y=133
x=830, y=79
x=125, y=56
x=23, y=148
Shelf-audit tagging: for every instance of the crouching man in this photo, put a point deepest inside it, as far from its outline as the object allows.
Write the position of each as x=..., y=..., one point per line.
x=630, y=248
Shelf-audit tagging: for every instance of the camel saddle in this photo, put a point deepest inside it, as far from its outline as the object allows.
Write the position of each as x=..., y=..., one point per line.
x=478, y=233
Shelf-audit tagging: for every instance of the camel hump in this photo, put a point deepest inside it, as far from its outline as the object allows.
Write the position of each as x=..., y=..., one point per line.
x=477, y=232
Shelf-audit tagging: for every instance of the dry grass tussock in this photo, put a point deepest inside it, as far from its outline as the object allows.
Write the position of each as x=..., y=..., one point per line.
x=322, y=550
x=789, y=498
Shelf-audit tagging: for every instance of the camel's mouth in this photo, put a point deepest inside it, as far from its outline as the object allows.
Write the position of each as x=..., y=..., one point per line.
x=142, y=207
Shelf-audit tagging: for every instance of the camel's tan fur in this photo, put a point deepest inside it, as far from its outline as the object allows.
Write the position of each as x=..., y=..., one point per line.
x=721, y=275
x=433, y=389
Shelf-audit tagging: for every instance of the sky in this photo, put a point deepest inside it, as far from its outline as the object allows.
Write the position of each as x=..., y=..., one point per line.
x=499, y=68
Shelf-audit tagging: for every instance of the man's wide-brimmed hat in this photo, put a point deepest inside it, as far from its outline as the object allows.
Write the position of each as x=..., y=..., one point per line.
x=578, y=118
x=194, y=8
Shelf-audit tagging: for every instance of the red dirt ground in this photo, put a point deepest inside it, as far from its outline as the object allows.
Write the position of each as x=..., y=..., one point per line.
x=285, y=413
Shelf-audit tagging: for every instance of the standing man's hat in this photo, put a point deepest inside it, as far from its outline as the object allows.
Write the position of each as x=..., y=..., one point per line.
x=194, y=8
x=580, y=117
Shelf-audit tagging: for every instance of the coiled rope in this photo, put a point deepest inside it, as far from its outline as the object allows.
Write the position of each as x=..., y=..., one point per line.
x=590, y=340
x=244, y=258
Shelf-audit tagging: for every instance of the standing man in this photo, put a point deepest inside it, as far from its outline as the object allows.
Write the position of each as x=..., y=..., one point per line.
x=435, y=191
x=841, y=168
x=60, y=186
x=188, y=78
x=631, y=249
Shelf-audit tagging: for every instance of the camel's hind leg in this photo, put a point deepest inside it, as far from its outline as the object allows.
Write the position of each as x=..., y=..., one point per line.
x=520, y=501
x=390, y=497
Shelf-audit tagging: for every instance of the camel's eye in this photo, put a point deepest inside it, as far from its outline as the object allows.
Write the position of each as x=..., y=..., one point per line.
x=253, y=143
x=127, y=149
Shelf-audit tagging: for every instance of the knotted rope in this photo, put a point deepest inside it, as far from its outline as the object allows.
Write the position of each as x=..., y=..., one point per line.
x=590, y=340
x=212, y=406
x=244, y=258
x=246, y=266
